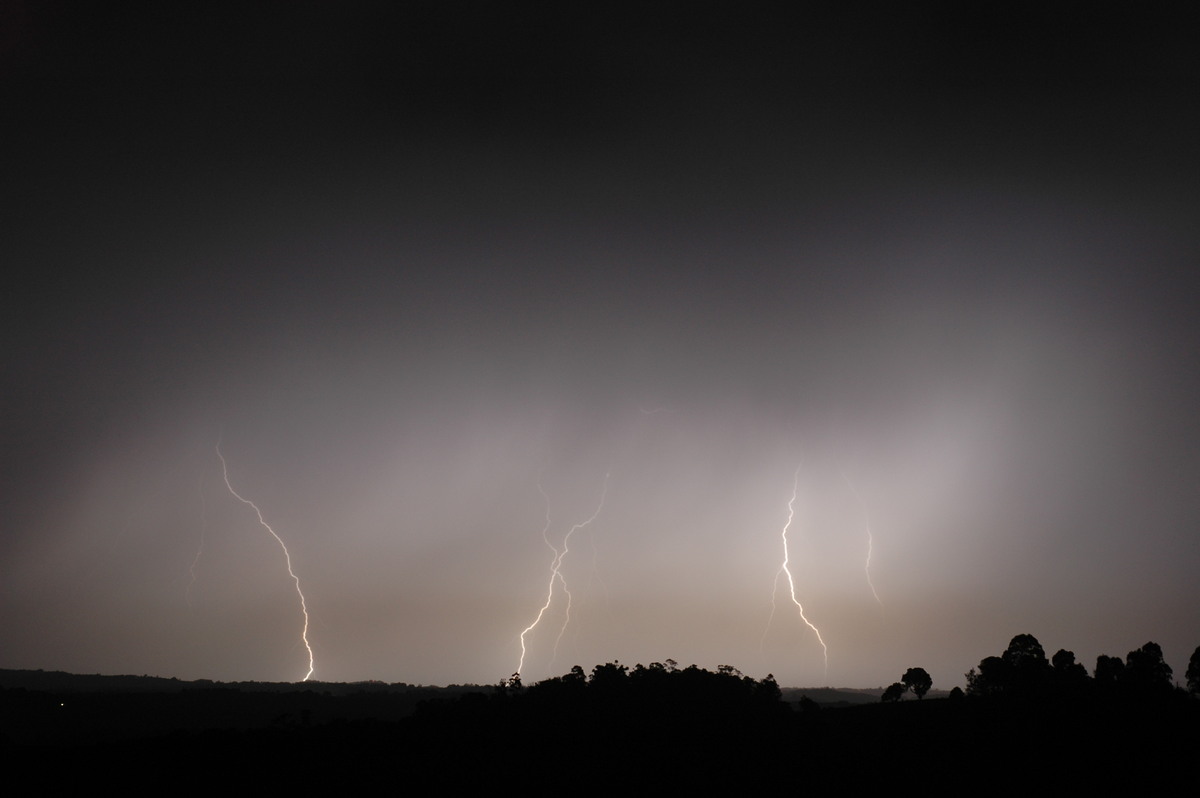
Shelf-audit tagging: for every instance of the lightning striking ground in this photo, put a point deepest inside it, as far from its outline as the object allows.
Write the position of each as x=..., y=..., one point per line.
x=556, y=575
x=555, y=562
x=784, y=569
x=286, y=556
x=870, y=536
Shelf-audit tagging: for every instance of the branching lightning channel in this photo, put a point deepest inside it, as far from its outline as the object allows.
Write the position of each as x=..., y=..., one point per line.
x=566, y=542
x=784, y=569
x=286, y=556
x=870, y=536
x=556, y=575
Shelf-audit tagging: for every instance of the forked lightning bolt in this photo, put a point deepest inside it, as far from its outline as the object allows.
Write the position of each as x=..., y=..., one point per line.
x=870, y=536
x=784, y=569
x=286, y=556
x=556, y=575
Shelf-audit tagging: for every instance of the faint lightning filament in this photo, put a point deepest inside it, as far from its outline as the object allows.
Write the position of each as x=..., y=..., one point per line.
x=566, y=540
x=199, y=548
x=786, y=570
x=870, y=536
x=556, y=575
x=286, y=556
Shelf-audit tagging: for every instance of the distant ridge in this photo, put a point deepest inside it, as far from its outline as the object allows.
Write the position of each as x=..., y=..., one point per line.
x=64, y=682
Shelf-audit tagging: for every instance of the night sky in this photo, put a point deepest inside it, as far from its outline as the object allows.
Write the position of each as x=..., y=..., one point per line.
x=433, y=274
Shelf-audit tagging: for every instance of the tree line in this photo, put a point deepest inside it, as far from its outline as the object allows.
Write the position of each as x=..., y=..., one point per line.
x=1023, y=670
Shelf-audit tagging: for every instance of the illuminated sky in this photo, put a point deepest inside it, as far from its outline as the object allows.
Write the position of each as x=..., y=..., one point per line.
x=413, y=268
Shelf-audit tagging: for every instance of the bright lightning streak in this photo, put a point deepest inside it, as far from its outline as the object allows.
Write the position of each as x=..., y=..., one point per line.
x=286, y=556
x=555, y=562
x=870, y=536
x=786, y=570
x=556, y=572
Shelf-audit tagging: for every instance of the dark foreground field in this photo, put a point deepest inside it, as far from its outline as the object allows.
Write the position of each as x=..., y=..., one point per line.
x=650, y=729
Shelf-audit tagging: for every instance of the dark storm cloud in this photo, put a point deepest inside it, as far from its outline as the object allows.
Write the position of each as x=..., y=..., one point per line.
x=404, y=261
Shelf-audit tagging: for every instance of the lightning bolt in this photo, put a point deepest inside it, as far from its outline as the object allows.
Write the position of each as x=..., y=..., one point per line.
x=286, y=556
x=556, y=575
x=555, y=563
x=784, y=569
x=870, y=536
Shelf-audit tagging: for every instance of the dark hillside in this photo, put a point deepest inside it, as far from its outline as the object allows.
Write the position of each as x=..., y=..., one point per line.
x=648, y=728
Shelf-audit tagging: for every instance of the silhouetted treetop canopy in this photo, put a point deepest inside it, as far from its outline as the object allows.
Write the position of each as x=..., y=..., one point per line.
x=1193, y=672
x=917, y=680
x=1145, y=668
x=1023, y=671
x=614, y=688
x=1025, y=652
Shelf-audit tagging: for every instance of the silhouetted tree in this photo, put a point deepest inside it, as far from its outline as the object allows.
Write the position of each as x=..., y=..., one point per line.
x=1068, y=674
x=768, y=689
x=893, y=692
x=1145, y=668
x=1025, y=652
x=511, y=684
x=610, y=675
x=993, y=676
x=956, y=694
x=650, y=680
x=1029, y=668
x=1108, y=670
x=1021, y=670
x=1193, y=672
x=917, y=680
